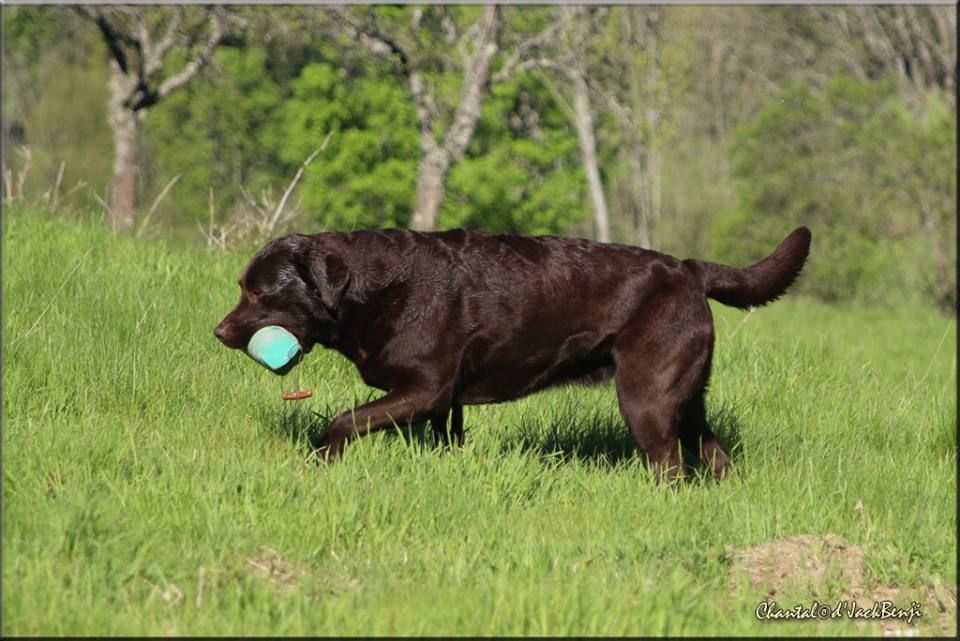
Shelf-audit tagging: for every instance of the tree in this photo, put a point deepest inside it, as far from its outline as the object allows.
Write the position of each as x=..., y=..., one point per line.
x=638, y=103
x=476, y=46
x=574, y=33
x=562, y=49
x=523, y=173
x=869, y=174
x=139, y=40
x=615, y=54
x=915, y=44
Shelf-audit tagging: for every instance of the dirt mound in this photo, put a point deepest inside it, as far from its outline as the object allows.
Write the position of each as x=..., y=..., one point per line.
x=830, y=570
x=808, y=561
x=282, y=575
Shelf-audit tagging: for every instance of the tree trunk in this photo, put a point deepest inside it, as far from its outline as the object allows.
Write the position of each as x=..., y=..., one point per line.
x=641, y=209
x=583, y=120
x=431, y=176
x=437, y=159
x=654, y=184
x=653, y=121
x=136, y=59
x=126, y=126
x=645, y=96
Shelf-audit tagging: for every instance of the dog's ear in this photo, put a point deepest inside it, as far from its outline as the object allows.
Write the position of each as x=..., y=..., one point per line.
x=332, y=277
x=325, y=274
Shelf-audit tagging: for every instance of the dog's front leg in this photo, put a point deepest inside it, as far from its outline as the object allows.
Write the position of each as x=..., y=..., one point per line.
x=396, y=407
x=455, y=433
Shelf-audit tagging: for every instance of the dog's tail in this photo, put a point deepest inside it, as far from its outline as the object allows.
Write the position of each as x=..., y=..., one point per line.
x=760, y=283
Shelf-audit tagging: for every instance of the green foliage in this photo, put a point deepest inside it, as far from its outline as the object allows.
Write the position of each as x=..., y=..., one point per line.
x=54, y=99
x=857, y=166
x=154, y=485
x=518, y=176
x=27, y=36
x=512, y=179
x=68, y=124
x=869, y=166
x=212, y=133
x=366, y=176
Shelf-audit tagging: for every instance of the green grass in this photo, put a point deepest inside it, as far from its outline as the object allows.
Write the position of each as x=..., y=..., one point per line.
x=155, y=484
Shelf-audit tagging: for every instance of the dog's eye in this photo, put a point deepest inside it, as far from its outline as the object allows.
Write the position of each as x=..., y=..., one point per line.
x=255, y=293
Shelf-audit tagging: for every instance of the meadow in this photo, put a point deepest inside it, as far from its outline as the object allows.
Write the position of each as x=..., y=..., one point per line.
x=155, y=484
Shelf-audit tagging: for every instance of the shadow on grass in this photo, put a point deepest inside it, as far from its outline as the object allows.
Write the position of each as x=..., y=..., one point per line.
x=726, y=425
x=606, y=440
x=295, y=424
x=598, y=438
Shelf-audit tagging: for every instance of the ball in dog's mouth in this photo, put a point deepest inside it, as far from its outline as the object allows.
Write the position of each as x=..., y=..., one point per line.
x=279, y=351
x=275, y=348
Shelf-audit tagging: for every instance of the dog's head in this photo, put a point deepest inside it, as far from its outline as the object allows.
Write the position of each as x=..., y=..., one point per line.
x=294, y=282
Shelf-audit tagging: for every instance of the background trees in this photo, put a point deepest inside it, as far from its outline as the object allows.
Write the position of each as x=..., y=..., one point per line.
x=693, y=130
x=140, y=41
x=425, y=43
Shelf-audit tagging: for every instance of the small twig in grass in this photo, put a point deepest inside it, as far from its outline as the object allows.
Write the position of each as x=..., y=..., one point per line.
x=54, y=195
x=200, y=579
x=8, y=184
x=14, y=194
x=101, y=201
x=257, y=218
x=156, y=202
x=145, y=312
x=36, y=323
x=937, y=351
x=80, y=185
x=745, y=319
x=25, y=171
x=210, y=205
x=296, y=179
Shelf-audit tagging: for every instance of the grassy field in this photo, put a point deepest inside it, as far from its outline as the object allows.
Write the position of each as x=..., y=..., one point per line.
x=154, y=482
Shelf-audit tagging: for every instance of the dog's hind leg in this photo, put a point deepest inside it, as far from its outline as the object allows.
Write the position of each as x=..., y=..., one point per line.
x=651, y=410
x=660, y=359
x=696, y=436
x=653, y=420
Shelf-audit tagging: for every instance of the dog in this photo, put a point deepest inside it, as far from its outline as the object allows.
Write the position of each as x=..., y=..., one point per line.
x=439, y=320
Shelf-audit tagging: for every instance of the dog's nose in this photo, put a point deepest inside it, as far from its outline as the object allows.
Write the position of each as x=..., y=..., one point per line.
x=220, y=333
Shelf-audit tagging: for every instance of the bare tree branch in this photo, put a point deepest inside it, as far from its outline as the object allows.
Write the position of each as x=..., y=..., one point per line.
x=449, y=27
x=165, y=44
x=112, y=35
x=296, y=179
x=474, y=83
x=518, y=61
x=383, y=45
x=370, y=35
x=156, y=203
x=470, y=35
x=174, y=82
x=622, y=113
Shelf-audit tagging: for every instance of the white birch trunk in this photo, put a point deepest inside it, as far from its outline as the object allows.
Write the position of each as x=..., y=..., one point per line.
x=583, y=121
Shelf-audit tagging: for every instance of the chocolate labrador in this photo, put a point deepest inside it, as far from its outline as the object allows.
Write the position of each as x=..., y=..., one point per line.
x=446, y=319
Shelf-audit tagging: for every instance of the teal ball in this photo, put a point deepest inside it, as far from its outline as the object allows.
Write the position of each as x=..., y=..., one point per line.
x=275, y=348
